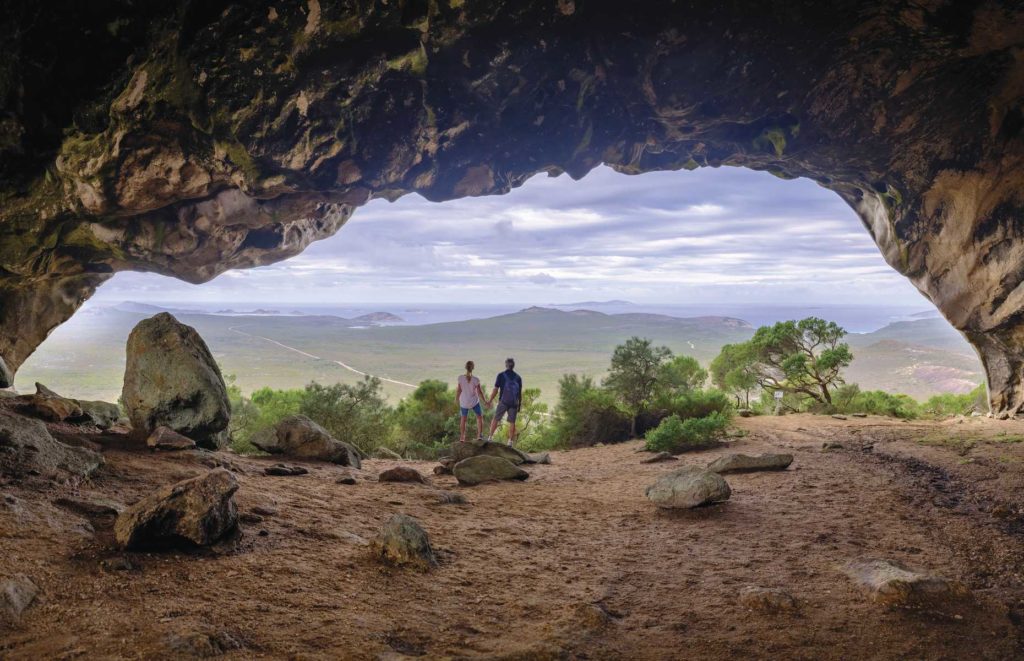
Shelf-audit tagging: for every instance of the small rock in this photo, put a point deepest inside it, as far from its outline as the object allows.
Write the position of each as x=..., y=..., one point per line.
x=200, y=510
x=119, y=563
x=202, y=645
x=100, y=414
x=893, y=584
x=451, y=498
x=382, y=452
x=401, y=474
x=661, y=456
x=742, y=463
x=839, y=417
x=250, y=518
x=688, y=487
x=769, y=600
x=744, y=413
x=403, y=541
x=16, y=594
x=831, y=445
x=859, y=415
x=299, y=437
x=539, y=458
x=592, y=616
x=487, y=468
x=263, y=533
x=264, y=510
x=165, y=438
x=346, y=479
x=442, y=470
x=284, y=470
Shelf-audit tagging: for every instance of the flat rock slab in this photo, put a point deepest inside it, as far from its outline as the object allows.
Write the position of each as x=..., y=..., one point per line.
x=16, y=595
x=743, y=463
x=200, y=511
x=165, y=438
x=539, y=458
x=403, y=542
x=460, y=451
x=91, y=507
x=892, y=584
x=688, y=487
x=487, y=468
x=661, y=456
x=401, y=474
x=284, y=470
x=26, y=447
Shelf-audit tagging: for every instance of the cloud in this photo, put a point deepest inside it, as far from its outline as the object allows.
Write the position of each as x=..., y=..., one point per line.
x=668, y=237
x=542, y=279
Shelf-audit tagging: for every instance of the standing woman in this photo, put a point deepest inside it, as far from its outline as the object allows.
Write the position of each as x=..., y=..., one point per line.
x=469, y=396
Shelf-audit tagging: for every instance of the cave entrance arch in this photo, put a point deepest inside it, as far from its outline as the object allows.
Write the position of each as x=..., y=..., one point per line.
x=223, y=135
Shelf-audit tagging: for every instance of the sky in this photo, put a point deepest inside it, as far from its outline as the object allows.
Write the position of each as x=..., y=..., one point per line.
x=673, y=238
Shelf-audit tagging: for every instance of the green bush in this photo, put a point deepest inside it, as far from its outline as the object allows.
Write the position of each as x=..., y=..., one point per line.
x=586, y=415
x=429, y=417
x=356, y=414
x=694, y=404
x=948, y=404
x=677, y=435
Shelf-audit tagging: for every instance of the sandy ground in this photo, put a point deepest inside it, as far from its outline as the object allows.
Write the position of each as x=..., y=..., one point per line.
x=572, y=563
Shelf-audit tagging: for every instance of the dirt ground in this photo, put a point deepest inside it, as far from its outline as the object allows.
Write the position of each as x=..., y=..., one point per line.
x=572, y=563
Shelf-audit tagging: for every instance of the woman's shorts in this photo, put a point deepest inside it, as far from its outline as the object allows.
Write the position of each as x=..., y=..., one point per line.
x=476, y=409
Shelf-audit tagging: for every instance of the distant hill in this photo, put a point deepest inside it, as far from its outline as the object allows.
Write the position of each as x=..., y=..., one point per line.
x=85, y=357
x=592, y=304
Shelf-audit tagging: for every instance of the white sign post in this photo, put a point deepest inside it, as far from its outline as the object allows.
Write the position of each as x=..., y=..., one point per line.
x=778, y=401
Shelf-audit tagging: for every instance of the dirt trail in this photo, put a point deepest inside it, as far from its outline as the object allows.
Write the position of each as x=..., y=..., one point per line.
x=234, y=329
x=573, y=563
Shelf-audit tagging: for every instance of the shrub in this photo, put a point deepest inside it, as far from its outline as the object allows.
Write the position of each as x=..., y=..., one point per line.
x=699, y=404
x=948, y=404
x=356, y=414
x=429, y=417
x=586, y=415
x=677, y=435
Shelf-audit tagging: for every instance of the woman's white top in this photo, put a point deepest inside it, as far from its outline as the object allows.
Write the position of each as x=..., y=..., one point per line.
x=468, y=397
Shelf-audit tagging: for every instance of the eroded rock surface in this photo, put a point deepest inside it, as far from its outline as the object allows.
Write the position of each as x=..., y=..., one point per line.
x=26, y=447
x=199, y=511
x=298, y=436
x=171, y=380
x=184, y=145
x=16, y=595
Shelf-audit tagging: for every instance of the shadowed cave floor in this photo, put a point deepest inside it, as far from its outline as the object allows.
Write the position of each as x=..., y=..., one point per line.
x=573, y=563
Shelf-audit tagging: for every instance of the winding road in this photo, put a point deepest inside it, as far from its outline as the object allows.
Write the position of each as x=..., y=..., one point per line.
x=234, y=329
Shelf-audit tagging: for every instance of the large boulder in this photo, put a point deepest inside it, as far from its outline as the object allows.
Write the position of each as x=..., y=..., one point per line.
x=199, y=511
x=172, y=380
x=892, y=584
x=26, y=447
x=403, y=541
x=688, y=487
x=487, y=468
x=299, y=437
x=743, y=463
x=460, y=451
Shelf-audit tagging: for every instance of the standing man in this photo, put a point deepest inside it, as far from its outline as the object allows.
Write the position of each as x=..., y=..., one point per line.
x=510, y=385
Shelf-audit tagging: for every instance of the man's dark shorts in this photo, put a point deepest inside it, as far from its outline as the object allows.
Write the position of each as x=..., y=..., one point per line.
x=502, y=409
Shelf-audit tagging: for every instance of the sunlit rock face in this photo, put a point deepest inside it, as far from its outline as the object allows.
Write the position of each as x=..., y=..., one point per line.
x=190, y=138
